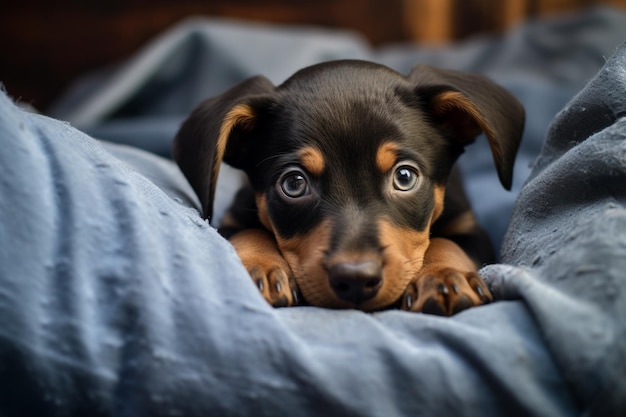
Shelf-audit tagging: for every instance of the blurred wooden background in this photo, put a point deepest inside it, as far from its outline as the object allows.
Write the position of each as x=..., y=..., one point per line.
x=45, y=44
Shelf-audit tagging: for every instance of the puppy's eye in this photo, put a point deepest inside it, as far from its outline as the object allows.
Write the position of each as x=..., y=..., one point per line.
x=294, y=185
x=405, y=177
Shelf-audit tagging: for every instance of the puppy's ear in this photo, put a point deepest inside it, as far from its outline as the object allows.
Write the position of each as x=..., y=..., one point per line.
x=215, y=129
x=464, y=105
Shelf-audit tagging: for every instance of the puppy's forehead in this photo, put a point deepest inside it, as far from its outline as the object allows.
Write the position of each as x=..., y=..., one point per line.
x=345, y=123
x=343, y=73
x=341, y=85
x=340, y=116
x=386, y=156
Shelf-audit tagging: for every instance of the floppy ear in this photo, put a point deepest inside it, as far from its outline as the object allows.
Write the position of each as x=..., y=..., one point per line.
x=465, y=105
x=214, y=129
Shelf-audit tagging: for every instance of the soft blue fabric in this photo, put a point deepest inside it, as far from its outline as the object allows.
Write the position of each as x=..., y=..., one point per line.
x=116, y=298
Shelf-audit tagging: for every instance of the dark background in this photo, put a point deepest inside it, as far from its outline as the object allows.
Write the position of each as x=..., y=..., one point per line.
x=45, y=44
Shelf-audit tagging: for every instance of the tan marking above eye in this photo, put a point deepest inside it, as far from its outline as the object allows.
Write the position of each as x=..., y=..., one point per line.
x=386, y=156
x=312, y=160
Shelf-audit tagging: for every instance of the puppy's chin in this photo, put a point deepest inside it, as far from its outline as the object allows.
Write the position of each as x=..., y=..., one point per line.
x=315, y=289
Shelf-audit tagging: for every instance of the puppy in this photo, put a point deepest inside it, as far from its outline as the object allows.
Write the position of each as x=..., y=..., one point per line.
x=352, y=200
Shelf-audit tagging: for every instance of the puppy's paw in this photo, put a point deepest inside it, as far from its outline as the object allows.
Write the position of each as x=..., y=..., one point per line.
x=275, y=283
x=445, y=292
x=267, y=267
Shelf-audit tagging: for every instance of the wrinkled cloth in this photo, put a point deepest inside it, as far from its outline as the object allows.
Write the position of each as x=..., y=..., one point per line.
x=117, y=299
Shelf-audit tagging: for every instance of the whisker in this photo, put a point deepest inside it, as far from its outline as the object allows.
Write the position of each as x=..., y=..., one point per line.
x=269, y=158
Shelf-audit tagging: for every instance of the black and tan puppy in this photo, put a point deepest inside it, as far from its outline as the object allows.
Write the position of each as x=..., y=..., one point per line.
x=353, y=201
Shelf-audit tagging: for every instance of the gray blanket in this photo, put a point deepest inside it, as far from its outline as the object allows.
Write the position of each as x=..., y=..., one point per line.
x=116, y=298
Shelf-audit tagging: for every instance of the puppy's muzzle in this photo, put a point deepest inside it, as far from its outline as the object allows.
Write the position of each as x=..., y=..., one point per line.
x=356, y=281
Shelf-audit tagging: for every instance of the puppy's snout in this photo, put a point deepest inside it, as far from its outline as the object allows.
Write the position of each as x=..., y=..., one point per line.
x=355, y=281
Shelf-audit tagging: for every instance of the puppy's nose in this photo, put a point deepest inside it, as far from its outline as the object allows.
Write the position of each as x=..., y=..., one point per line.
x=356, y=281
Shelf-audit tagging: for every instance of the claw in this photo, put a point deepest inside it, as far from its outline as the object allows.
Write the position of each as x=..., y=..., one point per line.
x=481, y=293
x=273, y=279
x=409, y=302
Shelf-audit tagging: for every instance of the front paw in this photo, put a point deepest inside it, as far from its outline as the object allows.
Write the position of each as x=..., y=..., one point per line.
x=269, y=270
x=445, y=292
x=275, y=283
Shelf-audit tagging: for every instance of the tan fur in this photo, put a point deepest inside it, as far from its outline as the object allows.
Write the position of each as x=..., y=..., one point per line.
x=258, y=252
x=443, y=253
x=253, y=245
x=386, y=156
x=439, y=195
x=312, y=160
x=305, y=256
x=241, y=115
x=261, y=205
x=403, y=257
x=446, y=264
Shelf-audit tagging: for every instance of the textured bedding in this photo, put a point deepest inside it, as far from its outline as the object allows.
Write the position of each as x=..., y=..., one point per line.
x=116, y=298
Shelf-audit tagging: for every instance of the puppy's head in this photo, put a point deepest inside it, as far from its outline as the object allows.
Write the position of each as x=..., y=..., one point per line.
x=349, y=162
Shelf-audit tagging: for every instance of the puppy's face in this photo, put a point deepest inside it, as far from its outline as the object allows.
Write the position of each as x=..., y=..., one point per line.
x=348, y=161
x=350, y=185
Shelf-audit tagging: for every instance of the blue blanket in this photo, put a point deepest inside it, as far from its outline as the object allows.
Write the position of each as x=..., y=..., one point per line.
x=116, y=298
